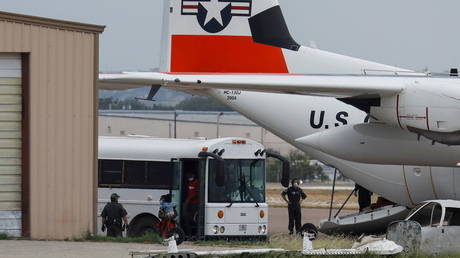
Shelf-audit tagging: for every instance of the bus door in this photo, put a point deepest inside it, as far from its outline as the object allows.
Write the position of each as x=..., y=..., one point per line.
x=205, y=171
x=201, y=210
x=190, y=222
x=177, y=186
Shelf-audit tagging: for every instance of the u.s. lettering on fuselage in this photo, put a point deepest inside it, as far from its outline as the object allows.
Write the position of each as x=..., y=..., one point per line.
x=316, y=118
x=317, y=121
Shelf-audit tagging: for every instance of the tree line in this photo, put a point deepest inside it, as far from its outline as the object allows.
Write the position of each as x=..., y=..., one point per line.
x=300, y=167
x=195, y=103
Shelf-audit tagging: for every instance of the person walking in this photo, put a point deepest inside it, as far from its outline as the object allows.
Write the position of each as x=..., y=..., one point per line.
x=295, y=197
x=112, y=216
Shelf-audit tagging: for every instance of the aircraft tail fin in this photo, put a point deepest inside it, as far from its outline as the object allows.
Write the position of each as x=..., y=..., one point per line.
x=242, y=36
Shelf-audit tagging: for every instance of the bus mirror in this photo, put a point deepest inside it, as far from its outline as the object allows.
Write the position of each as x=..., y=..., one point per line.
x=285, y=172
x=220, y=169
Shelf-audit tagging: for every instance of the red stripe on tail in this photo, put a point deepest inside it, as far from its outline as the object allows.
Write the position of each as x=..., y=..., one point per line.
x=190, y=6
x=224, y=54
x=241, y=8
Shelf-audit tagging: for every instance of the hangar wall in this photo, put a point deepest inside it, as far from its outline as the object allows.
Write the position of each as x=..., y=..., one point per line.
x=59, y=129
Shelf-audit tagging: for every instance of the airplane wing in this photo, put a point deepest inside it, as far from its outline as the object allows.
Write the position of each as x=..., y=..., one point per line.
x=339, y=86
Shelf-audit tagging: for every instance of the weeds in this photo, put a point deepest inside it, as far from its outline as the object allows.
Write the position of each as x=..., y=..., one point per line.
x=287, y=242
x=147, y=239
x=4, y=236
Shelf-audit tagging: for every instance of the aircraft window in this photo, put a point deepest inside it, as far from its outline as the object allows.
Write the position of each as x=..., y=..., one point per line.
x=436, y=215
x=423, y=216
x=110, y=172
x=452, y=217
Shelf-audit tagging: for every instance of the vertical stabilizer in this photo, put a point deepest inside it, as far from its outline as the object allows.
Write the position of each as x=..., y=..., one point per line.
x=243, y=36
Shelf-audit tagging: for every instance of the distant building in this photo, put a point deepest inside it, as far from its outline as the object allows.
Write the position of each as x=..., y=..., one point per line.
x=187, y=124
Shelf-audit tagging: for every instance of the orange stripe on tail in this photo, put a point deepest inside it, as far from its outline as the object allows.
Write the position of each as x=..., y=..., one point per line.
x=224, y=54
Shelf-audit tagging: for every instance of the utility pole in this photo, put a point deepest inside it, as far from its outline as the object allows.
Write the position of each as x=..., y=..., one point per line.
x=175, y=124
x=262, y=135
x=218, y=123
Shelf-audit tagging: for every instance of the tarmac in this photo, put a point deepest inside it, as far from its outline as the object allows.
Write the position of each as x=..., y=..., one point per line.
x=278, y=217
x=58, y=249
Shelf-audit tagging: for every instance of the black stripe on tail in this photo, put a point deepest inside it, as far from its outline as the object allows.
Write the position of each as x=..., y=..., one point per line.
x=269, y=28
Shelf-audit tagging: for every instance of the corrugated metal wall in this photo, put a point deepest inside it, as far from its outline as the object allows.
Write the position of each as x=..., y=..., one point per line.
x=10, y=144
x=61, y=129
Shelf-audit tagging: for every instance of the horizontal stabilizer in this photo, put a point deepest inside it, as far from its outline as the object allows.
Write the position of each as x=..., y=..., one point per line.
x=320, y=85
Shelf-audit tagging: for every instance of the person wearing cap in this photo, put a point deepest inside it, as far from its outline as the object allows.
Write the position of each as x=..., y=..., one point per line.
x=114, y=217
x=295, y=197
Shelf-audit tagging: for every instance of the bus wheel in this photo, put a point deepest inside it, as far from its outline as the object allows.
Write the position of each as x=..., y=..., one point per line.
x=145, y=226
x=178, y=234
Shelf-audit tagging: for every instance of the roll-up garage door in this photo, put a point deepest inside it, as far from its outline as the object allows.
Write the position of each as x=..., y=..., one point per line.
x=10, y=144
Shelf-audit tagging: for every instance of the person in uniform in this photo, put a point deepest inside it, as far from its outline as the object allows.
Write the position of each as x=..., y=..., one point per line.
x=191, y=203
x=113, y=216
x=364, y=197
x=295, y=197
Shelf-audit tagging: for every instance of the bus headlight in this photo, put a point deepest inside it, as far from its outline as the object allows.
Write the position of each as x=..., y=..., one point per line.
x=264, y=229
x=215, y=229
x=259, y=229
x=220, y=214
x=222, y=229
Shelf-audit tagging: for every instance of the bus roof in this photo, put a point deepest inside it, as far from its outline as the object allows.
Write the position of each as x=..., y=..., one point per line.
x=161, y=149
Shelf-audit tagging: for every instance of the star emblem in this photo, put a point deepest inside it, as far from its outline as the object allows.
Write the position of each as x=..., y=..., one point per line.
x=215, y=15
x=214, y=8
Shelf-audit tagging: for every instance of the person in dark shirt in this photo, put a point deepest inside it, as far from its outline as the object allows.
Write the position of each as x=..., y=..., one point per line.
x=112, y=216
x=364, y=197
x=295, y=197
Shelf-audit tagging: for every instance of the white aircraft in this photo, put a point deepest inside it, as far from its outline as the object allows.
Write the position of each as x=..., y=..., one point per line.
x=246, y=44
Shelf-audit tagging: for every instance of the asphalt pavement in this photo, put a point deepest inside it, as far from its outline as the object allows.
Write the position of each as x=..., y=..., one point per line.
x=278, y=221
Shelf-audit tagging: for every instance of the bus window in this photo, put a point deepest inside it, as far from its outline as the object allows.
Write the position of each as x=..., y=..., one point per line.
x=244, y=182
x=134, y=173
x=110, y=172
x=159, y=174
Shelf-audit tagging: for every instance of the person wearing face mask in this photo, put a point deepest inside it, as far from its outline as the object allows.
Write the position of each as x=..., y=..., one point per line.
x=295, y=197
x=191, y=203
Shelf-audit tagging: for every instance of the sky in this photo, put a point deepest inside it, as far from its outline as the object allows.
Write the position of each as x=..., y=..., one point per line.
x=411, y=34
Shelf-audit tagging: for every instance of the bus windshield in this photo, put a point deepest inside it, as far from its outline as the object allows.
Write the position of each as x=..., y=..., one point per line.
x=244, y=182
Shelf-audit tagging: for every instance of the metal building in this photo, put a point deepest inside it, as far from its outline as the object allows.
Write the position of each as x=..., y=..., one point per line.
x=187, y=124
x=48, y=126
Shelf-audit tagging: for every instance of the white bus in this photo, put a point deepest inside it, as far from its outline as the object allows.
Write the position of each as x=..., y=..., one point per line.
x=231, y=174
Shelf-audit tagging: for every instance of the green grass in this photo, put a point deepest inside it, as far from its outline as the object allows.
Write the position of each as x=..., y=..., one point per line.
x=147, y=239
x=299, y=254
x=284, y=241
x=4, y=236
x=293, y=245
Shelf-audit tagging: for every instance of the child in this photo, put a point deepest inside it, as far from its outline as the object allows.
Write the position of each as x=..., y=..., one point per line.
x=166, y=207
x=166, y=214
